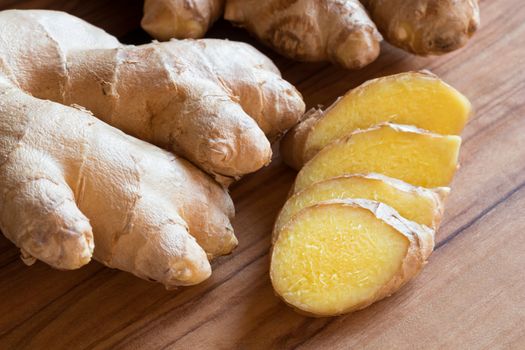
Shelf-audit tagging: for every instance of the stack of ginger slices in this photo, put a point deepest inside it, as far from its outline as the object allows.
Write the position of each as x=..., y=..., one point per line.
x=374, y=171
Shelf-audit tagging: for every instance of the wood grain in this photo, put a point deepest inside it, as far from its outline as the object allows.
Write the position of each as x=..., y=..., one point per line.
x=470, y=296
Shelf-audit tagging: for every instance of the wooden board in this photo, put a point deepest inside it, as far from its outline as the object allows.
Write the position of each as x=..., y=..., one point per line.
x=470, y=296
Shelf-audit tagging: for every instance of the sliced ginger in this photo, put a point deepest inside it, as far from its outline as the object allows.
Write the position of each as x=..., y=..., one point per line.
x=403, y=152
x=418, y=204
x=341, y=256
x=413, y=98
x=419, y=99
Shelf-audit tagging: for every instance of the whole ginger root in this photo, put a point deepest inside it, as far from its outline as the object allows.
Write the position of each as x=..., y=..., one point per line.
x=74, y=187
x=340, y=31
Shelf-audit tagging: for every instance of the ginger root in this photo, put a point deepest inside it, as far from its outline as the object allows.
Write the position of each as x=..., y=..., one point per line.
x=413, y=98
x=74, y=187
x=403, y=152
x=166, y=19
x=425, y=27
x=340, y=31
x=421, y=205
x=214, y=102
x=325, y=30
x=340, y=256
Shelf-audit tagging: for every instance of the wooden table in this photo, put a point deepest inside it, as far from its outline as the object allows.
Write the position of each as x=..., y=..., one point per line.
x=470, y=296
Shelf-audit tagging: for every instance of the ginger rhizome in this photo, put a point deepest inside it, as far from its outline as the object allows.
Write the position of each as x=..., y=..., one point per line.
x=74, y=187
x=306, y=30
x=425, y=27
x=214, y=102
x=340, y=31
x=180, y=18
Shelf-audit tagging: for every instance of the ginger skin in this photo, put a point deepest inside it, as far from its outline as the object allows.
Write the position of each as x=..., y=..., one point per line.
x=237, y=93
x=166, y=19
x=338, y=31
x=74, y=187
x=425, y=27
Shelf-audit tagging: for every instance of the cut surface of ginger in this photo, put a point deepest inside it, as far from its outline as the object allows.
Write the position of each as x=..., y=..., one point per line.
x=413, y=98
x=333, y=258
x=418, y=204
x=402, y=152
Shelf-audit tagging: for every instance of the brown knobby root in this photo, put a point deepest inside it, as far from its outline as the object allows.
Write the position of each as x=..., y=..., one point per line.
x=338, y=31
x=425, y=27
x=181, y=19
x=74, y=187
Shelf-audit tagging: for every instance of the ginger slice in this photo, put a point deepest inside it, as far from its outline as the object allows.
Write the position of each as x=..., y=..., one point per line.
x=422, y=205
x=340, y=256
x=415, y=156
x=413, y=98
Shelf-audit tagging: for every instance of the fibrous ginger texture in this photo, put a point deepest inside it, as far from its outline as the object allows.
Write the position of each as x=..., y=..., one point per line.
x=421, y=205
x=340, y=256
x=402, y=152
x=413, y=98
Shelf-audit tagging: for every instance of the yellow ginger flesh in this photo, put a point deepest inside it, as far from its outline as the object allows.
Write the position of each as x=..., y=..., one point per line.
x=413, y=98
x=331, y=260
x=414, y=156
x=421, y=205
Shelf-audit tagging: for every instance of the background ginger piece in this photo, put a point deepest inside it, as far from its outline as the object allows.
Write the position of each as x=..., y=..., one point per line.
x=340, y=256
x=421, y=205
x=425, y=27
x=211, y=101
x=340, y=31
x=327, y=30
x=413, y=98
x=403, y=152
x=166, y=19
